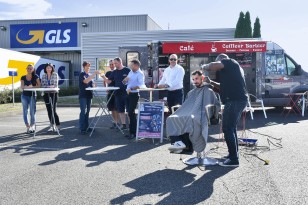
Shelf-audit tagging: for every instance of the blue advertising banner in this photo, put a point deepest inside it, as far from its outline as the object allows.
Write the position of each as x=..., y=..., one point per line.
x=150, y=120
x=43, y=35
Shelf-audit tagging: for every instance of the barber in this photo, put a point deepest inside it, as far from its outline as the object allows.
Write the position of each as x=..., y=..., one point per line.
x=234, y=96
x=173, y=81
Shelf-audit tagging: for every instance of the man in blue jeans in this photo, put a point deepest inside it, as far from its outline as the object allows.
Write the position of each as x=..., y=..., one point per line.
x=234, y=96
x=85, y=96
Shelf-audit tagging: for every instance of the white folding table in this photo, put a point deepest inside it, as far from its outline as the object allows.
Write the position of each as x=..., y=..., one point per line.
x=47, y=90
x=103, y=109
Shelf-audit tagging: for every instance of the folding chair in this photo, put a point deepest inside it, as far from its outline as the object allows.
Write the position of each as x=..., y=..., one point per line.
x=258, y=100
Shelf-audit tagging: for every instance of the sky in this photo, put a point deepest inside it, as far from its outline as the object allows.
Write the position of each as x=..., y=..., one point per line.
x=284, y=22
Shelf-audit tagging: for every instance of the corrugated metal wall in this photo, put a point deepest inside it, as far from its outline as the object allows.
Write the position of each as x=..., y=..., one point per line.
x=152, y=25
x=106, y=45
x=95, y=24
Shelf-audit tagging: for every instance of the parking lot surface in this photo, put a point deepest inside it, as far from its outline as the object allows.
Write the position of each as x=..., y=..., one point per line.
x=110, y=169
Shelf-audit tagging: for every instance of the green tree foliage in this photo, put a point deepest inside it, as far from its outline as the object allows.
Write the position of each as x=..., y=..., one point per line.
x=257, y=29
x=239, y=26
x=247, y=33
x=243, y=26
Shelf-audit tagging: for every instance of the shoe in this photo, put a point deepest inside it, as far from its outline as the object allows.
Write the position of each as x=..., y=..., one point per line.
x=226, y=157
x=32, y=129
x=90, y=129
x=123, y=127
x=178, y=145
x=131, y=136
x=113, y=126
x=28, y=130
x=229, y=163
x=177, y=151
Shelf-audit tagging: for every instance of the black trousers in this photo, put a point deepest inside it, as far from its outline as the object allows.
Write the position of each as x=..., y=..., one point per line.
x=175, y=97
x=54, y=100
x=132, y=105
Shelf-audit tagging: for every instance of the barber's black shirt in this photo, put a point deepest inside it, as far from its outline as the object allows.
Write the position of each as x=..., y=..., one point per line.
x=232, y=82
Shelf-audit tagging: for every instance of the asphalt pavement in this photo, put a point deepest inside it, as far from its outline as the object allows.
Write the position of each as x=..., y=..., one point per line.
x=110, y=169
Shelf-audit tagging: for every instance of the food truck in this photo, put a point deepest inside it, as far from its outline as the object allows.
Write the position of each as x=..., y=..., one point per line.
x=270, y=73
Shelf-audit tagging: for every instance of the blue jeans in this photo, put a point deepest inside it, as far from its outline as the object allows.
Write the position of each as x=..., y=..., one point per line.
x=26, y=102
x=231, y=115
x=85, y=106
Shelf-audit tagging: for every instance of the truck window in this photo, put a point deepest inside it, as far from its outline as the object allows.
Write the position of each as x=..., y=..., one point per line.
x=290, y=66
x=274, y=63
x=132, y=55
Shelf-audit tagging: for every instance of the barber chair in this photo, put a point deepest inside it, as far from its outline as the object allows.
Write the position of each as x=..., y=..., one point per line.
x=201, y=158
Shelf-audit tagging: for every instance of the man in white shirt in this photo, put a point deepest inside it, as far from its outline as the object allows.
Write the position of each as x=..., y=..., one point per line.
x=173, y=80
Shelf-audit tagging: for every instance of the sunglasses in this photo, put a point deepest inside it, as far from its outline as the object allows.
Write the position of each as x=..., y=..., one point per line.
x=172, y=59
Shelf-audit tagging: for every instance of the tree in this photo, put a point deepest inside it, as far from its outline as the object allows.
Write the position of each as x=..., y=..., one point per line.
x=247, y=33
x=239, y=26
x=257, y=29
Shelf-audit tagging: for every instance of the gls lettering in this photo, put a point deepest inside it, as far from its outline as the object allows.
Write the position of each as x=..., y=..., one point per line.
x=54, y=36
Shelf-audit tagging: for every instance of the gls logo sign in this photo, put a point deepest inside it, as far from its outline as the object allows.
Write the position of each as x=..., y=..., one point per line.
x=43, y=35
x=52, y=36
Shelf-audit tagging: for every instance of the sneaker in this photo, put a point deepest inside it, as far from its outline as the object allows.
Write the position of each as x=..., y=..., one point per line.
x=177, y=151
x=28, y=130
x=229, y=163
x=32, y=129
x=83, y=132
x=178, y=145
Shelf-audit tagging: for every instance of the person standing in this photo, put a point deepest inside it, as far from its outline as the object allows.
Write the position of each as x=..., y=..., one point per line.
x=50, y=79
x=234, y=96
x=173, y=80
x=85, y=96
x=118, y=76
x=111, y=98
x=134, y=81
x=28, y=98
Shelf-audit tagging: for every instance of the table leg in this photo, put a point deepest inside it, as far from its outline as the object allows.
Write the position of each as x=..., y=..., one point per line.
x=53, y=113
x=104, y=110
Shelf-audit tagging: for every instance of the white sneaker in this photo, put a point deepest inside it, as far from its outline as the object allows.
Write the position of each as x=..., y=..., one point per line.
x=178, y=145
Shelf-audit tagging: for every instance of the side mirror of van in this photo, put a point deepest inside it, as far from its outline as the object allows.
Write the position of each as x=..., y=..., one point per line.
x=298, y=69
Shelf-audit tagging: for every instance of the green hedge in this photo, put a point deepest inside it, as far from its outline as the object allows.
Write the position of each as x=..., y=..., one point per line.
x=6, y=96
x=68, y=91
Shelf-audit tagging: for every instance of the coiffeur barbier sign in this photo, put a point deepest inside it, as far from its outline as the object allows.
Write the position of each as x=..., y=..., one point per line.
x=214, y=47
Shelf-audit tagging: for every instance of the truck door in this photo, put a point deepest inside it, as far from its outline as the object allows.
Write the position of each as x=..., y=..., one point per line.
x=248, y=63
x=277, y=80
x=293, y=72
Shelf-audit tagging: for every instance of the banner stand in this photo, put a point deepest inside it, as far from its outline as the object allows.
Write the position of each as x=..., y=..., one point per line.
x=150, y=120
